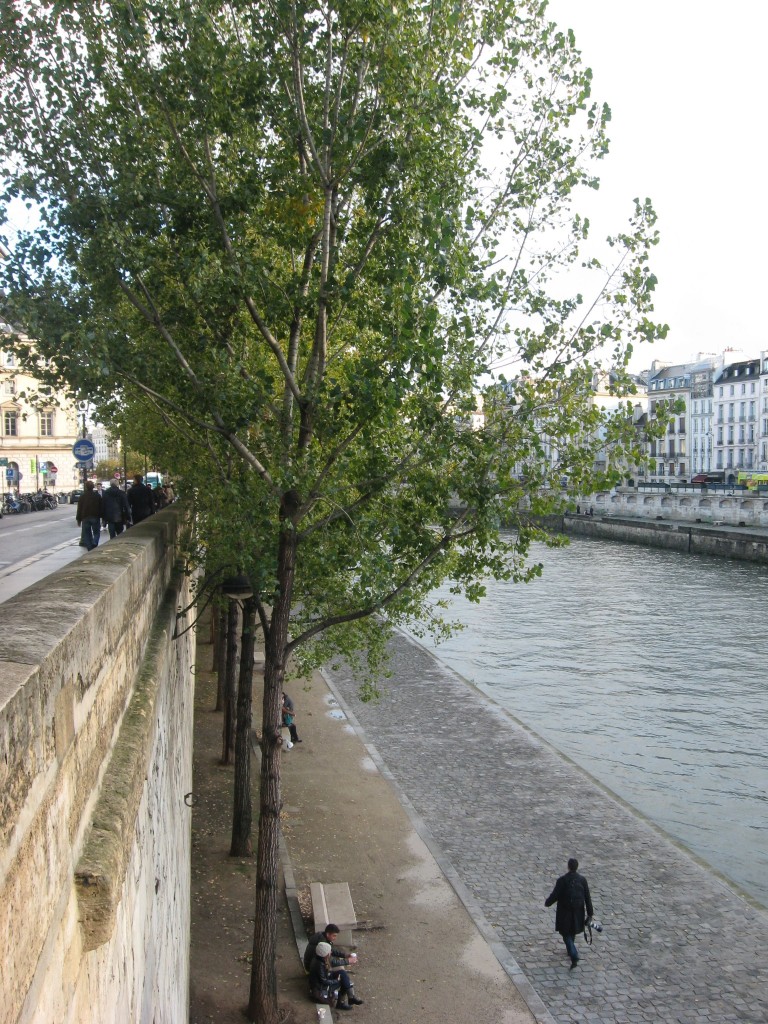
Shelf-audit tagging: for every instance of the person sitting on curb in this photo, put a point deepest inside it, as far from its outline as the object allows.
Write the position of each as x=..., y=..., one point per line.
x=324, y=981
x=337, y=962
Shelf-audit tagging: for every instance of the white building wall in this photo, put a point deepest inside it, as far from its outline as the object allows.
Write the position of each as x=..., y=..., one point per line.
x=36, y=433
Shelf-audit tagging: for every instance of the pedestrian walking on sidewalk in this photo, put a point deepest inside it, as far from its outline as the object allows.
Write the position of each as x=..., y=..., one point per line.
x=88, y=516
x=115, y=509
x=574, y=907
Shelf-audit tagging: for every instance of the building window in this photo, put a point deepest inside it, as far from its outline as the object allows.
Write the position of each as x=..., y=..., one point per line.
x=46, y=424
x=11, y=423
x=9, y=359
x=9, y=386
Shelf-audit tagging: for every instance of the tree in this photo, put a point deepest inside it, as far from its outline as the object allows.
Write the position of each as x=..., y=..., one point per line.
x=302, y=233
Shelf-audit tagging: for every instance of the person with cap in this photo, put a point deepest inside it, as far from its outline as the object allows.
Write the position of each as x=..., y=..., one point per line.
x=574, y=907
x=324, y=981
x=336, y=961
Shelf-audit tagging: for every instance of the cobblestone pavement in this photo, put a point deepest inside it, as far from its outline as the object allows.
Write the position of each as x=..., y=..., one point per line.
x=506, y=811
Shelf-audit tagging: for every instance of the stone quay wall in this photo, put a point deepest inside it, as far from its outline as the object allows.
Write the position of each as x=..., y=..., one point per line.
x=96, y=701
x=725, y=542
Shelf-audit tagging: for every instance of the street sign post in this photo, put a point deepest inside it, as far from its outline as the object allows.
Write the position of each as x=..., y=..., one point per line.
x=83, y=450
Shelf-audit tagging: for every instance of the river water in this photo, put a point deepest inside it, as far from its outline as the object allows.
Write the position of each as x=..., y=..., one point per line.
x=650, y=670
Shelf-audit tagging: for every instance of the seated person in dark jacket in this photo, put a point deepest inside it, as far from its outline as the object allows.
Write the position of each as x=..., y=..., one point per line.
x=324, y=981
x=336, y=960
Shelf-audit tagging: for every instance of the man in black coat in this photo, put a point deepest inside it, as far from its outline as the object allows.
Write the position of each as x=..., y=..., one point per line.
x=115, y=509
x=140, y=499
x=574, y=907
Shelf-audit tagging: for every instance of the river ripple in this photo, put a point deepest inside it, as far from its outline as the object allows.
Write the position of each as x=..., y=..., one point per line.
x=649, y=669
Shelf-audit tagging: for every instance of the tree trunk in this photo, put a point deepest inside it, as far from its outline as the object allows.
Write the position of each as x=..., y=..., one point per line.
x=230, y=684
x=242, y=811
x=262, y=1004
x=219, y=640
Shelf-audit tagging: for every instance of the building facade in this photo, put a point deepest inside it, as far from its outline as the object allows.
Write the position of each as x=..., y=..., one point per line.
x=736, y=424
x=687, y=448
x=763, y=413
x=37, y=431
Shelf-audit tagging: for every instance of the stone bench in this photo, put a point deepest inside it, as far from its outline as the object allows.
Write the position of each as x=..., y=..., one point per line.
x=332, y=902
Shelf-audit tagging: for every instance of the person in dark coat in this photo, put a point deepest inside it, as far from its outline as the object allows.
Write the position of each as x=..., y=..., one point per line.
x=336, y=960
x=140, y=499
x=574, y=907
x=116, y=511
x=289, y=718
x=88, y=516
x=323, y=979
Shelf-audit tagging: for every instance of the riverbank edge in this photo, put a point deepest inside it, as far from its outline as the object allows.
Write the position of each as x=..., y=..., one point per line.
x=746, y=544
x=734, y=887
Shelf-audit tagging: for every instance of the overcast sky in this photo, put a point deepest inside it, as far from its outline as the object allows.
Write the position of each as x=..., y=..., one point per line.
x=686, y=83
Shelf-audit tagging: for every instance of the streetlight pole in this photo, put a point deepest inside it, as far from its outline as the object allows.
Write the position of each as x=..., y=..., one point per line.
x=83, y=407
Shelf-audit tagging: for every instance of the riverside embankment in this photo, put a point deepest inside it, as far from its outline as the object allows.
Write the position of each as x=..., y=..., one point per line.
x=503, y=810
x=748, y=543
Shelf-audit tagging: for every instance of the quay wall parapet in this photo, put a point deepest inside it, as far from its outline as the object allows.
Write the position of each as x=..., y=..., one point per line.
x=95, y=760
x=693, y=538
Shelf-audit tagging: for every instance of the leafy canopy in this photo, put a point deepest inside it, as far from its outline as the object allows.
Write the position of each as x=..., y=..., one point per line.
x=296, y=237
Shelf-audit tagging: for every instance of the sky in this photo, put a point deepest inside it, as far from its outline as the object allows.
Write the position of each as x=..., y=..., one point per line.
x=686, y=84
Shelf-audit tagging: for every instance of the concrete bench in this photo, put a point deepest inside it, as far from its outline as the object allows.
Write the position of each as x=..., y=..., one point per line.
x=332, y=903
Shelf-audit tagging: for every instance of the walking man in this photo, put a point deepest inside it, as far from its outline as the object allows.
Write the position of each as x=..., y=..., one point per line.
x=140, y=500
x=574, y=906
x=88, y=516
x=116, y=510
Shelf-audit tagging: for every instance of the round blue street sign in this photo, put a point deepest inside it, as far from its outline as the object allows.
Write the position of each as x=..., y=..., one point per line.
x=83, y=450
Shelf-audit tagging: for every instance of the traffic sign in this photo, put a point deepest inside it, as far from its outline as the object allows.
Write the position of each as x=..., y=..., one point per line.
x=83, y=450
x=53, y=469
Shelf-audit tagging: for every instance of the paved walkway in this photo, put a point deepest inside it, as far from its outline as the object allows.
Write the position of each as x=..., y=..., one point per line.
x=18, y=576
x=505, y=812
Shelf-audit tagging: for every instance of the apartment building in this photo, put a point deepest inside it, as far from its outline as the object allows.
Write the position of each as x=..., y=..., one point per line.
x=736, y=424
x=37, y=431
x=762, y=454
